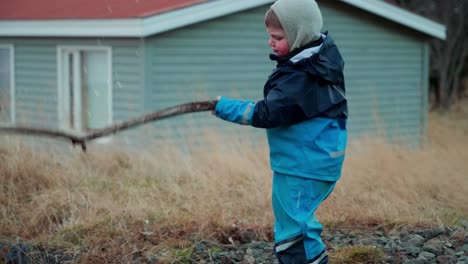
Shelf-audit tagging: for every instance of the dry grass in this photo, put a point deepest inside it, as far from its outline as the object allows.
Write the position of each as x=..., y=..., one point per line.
x=357, y=254
x=399, y=184
x=159, y=197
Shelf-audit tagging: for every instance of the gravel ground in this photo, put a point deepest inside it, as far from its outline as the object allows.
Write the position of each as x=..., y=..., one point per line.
x=399, y=245
x=416, y=246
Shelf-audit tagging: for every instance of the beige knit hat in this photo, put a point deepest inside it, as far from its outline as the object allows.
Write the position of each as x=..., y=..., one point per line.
x=301, y=21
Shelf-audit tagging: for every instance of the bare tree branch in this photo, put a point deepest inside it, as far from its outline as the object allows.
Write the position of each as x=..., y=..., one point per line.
x=115, y=128
x=75, y=139
x=447, y=57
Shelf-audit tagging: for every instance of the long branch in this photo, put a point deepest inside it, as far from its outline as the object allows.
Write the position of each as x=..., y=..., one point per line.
x=42, y=132
x=115, y=128
x=162, y=114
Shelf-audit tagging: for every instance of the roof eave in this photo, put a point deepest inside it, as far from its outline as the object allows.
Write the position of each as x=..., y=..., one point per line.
x=72, y=28
x=401, y=16
x=197, y=13
x=137, y=27
x=143, y=27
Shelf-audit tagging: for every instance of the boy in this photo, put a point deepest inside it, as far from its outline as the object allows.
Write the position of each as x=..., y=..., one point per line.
x=304, y=111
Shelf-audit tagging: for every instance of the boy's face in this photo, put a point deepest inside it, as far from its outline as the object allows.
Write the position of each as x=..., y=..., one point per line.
x=278, y=41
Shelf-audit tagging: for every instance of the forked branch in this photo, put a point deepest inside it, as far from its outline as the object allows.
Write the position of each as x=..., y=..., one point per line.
x=117, y=127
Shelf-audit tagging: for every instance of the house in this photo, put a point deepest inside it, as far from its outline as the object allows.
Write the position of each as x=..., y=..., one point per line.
x=76, y=65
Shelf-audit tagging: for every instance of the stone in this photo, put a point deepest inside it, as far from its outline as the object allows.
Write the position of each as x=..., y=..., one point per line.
x=390, y=259
x=447, y=259
x=434, y=246
x=247, y=236
x=450, y=252
x=414, y=240
x=431, y=233
x=414, y=261
x=413, y=251
x=391, y=247
x=382, y=241
x=249, y=259
x=426, y=255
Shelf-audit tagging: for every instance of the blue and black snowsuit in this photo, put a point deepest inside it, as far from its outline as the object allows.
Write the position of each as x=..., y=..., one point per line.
x=304, y=111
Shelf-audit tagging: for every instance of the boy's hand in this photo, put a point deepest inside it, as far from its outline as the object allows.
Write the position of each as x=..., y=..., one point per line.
x=217, y=99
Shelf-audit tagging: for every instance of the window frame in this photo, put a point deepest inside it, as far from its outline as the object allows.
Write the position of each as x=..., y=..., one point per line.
x=12, y=84
x=61, y=104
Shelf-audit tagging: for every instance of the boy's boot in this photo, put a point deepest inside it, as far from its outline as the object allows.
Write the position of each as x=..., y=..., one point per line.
x=322, y=258
x=295, y=254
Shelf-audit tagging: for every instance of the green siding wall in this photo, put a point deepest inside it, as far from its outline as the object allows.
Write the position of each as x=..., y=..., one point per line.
x=386, y=73
x=128, y=78
x=35, y=83
x=36, y=77
x=385, y=68
x=226, y=56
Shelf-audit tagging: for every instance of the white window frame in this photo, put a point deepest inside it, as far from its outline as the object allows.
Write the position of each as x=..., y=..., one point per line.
x=12, y=83
x=61, y=103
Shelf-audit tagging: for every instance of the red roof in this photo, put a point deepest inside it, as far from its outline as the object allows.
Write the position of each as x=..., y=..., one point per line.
x=87, y=9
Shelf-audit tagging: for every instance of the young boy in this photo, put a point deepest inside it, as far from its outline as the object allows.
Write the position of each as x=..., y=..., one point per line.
x=304, y=110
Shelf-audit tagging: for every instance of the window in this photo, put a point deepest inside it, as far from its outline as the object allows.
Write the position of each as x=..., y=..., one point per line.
x=7, y=102
x=85, y=88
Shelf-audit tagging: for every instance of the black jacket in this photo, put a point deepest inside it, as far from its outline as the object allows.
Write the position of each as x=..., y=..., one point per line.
x=300, y=90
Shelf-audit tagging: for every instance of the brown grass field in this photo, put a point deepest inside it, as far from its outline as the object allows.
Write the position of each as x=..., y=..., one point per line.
x=109, y=198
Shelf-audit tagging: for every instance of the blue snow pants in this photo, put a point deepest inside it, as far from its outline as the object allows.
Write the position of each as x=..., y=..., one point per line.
x=297, y=230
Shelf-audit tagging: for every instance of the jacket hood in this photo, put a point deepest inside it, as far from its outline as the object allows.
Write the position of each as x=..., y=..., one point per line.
x=326, y=63
x=301, y=21
x=322, y=60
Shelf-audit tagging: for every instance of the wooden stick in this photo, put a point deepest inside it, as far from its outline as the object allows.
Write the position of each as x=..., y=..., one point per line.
x=115, y=128
x=159, y=115
x=42, y=132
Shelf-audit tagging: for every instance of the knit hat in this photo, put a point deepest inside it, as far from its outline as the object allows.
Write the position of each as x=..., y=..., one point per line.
x=301, y=21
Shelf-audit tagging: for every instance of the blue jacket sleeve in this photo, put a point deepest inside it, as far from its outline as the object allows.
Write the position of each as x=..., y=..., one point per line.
x=235, y=111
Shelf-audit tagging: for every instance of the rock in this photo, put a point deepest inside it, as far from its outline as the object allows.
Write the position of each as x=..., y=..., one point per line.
x=431, y=233
x=224, y=259
x=450, y=252
x=391, y=247
x=413, y=241
x=465, y=249
x=19, y=254
x=464, y=223
x=390, y=259
x=414, y=261
x=247, y=236
x=382, y=241
x=413, y=251
x=447, y=259
x=379, y=233
x=434, y=246
x=249, y=259
x=426, y=256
